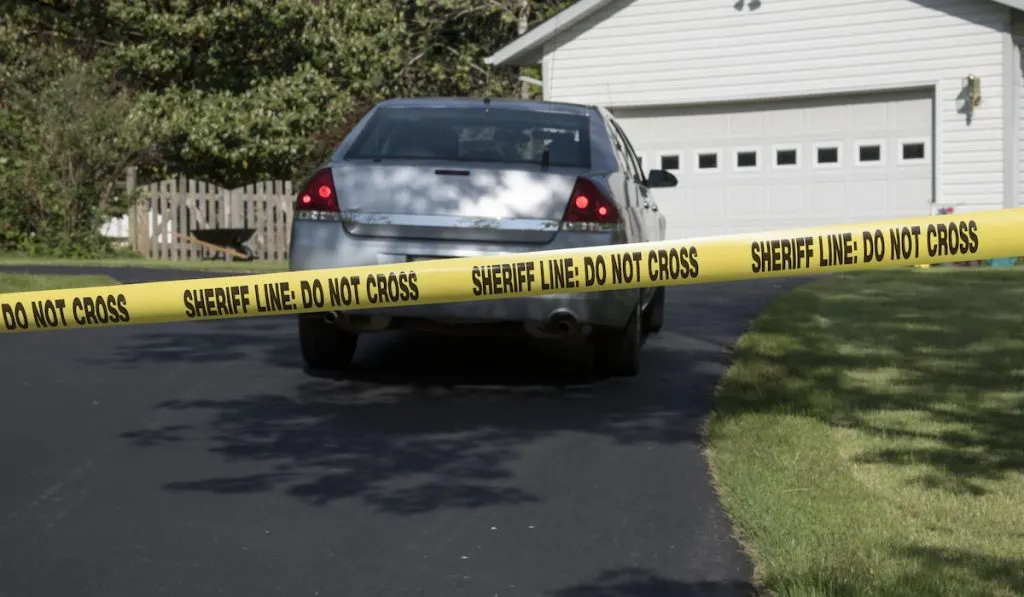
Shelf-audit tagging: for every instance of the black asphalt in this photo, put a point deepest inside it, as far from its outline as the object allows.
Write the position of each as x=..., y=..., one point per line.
x=200, y=459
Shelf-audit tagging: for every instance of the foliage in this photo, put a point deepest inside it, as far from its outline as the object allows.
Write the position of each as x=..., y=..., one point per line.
x=66, y=143
x=448, y=40
x=238, y=88
x=231, y=91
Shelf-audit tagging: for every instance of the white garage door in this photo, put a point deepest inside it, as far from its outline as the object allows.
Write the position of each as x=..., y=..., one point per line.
x=762, y=166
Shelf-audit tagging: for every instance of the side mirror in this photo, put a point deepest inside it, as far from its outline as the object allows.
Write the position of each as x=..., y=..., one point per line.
x=661, y=179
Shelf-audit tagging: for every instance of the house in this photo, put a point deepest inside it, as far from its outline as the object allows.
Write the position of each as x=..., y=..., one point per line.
x=782, y=113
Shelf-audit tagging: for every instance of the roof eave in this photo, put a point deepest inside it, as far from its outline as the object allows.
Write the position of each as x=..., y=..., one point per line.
x=528, y=49
x=1017, y=4
x=526, y=57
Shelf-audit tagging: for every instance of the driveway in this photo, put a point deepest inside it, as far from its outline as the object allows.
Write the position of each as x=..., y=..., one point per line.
x=199, y=459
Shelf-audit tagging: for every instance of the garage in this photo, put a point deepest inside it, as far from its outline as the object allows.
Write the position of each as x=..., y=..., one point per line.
x=761, y=166
x=799, y=112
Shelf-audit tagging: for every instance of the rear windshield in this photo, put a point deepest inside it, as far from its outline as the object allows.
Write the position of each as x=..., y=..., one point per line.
x=484, y=134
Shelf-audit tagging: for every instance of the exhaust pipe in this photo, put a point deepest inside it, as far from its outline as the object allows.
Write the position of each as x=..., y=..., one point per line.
x=563, y=323
x=331, y=317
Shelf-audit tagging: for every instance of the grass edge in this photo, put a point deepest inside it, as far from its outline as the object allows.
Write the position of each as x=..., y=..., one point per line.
x=706, y=450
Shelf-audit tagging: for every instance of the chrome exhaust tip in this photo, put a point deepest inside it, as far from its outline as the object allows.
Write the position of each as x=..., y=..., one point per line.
x=331, y=317
x=563, y=323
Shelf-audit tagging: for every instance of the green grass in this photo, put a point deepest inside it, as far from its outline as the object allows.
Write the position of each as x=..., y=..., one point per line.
x=869, y=439
x=30, y=283
x=212, y=266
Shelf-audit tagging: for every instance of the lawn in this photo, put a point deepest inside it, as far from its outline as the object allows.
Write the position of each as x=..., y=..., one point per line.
x=29, y=283
x=869, y=439
x=212, y=266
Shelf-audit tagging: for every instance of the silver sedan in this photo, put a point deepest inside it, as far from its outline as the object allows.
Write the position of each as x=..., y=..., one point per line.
x=423, y=179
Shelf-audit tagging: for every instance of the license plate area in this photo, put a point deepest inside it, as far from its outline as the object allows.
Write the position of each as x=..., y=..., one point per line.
x=427, y=257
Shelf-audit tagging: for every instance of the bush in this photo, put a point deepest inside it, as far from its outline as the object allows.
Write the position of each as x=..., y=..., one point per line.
x=62, y=160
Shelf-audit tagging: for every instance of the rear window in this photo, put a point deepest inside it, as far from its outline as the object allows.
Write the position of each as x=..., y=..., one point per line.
x=475, y=135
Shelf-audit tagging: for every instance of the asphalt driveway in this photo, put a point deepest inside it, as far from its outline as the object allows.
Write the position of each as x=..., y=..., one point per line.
x=200, y=459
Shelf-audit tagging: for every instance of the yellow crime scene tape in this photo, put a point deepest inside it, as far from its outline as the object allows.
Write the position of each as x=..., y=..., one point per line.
x=799, y=252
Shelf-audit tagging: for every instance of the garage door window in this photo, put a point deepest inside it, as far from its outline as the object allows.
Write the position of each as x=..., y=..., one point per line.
x=870, y=153
x=787, y=157
x=707, y=160
x=913, y=151
x=827, y=155
x=670, y=161
x=746, y=159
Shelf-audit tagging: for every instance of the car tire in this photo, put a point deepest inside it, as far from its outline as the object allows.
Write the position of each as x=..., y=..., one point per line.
x=616, y=352
x=324, y=346
x=654, y=315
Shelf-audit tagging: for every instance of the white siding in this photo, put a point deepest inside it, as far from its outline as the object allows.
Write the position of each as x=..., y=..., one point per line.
x=662, y=52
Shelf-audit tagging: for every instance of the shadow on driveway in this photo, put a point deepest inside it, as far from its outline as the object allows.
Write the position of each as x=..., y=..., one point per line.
x=426, y=422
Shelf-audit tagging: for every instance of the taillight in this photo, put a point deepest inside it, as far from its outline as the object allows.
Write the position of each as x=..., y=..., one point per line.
x=319, y=193
x=590, y=205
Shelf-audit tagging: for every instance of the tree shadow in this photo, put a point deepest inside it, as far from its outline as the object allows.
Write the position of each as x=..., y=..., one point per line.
x=928, y=571
x=638, y=582
x=124, y=275
x=848, y=358
x=426, y=422
x=943, y=567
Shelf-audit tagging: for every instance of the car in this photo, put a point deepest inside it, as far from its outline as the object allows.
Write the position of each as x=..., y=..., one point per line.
x=436, y=178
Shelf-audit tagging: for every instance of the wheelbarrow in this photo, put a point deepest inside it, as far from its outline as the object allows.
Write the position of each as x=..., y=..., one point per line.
x=229, y=241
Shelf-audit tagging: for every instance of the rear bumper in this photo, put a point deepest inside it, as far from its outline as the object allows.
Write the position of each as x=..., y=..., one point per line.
x=603, y=309
x=323, y=245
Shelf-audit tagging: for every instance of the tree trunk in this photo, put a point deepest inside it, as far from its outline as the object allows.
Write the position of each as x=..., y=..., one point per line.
x=523, y=25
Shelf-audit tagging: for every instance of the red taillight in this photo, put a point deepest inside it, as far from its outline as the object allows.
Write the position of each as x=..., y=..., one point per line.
x=590, y=204
x=319, y=193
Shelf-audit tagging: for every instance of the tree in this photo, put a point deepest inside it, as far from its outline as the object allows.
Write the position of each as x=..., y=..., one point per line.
x=448, y=40
x=231, y=91
x=238, y=89
x=65, y=150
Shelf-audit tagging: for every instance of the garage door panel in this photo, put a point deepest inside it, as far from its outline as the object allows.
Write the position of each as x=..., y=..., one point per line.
x=703, y=204
x=818, y=161
x=786, y=200
x=747, y=124
x=828, y=119
x=872, y=117
x=910, y=115
x=786, y=122
x=874, y=196
x=904, y=194
x=744, y=201
x=828, y=199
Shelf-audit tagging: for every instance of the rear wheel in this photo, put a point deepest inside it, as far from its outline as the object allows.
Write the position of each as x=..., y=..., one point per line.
x=617, y=351
x=323, y=345
x=654, y=315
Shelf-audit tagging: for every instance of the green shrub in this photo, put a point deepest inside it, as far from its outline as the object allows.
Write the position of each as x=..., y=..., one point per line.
x=64, y=155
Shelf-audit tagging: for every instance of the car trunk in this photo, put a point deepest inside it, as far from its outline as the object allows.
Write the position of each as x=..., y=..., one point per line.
x=478, y=202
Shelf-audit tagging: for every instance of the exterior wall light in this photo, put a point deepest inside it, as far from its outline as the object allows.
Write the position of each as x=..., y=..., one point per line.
x=972, y=87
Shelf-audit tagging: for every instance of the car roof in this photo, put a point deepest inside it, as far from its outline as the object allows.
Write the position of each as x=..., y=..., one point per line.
x=508, y=103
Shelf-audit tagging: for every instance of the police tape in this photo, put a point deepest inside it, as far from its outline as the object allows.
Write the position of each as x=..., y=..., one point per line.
x=799, y=252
